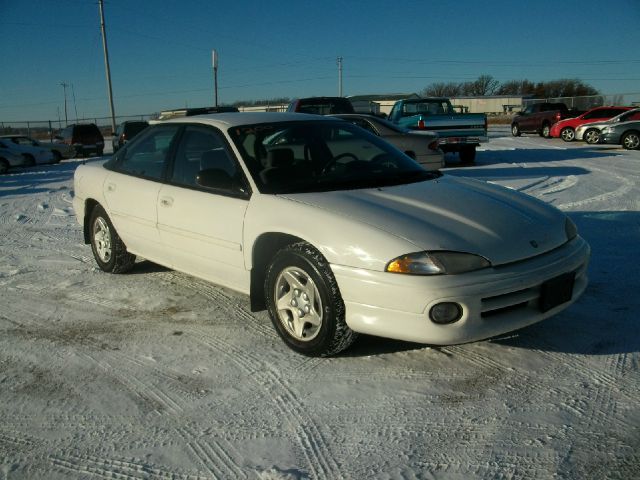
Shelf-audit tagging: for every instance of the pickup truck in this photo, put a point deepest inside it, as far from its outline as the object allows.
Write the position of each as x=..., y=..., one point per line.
x=539, y=117
x=458, y=132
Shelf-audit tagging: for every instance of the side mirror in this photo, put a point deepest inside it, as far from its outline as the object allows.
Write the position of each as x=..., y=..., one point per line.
x=217, y=179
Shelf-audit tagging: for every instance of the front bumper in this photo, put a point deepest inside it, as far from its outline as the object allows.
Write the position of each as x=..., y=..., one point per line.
x=493, y=301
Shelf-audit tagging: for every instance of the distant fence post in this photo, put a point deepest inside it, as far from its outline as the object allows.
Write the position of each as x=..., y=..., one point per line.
x=50, y=132
x=28, y=130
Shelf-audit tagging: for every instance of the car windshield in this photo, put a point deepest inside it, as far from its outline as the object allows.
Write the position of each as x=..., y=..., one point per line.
x=314, y=156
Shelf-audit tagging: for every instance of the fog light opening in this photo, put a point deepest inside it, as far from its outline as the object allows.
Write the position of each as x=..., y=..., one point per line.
x=446, y=312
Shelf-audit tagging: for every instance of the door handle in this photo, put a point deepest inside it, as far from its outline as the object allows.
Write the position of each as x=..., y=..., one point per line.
x=166, y=201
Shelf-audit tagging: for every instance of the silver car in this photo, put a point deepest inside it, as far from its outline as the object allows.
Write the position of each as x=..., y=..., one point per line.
x=59, y=150
x=422, y=146
x=626, y=134
x=590, y=132
x=9, y=158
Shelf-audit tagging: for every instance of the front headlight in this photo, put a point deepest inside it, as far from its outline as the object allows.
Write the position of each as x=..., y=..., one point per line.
x=570, y=229
x=437, y=263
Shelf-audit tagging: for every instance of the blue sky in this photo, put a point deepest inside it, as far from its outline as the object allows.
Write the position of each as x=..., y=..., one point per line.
x=160, y=51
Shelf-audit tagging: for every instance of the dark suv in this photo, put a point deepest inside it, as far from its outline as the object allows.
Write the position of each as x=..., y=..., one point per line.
x=321, y=105
x=85, y=138
x=126, y=131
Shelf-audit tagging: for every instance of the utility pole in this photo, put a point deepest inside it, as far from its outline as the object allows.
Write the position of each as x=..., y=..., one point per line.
x=339, y=76
x=75, y=107
x=106, y=65
x=214, y=61
x=64, y=87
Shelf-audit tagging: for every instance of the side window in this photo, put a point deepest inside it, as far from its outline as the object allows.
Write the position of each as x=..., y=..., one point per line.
x=203, y=152
x=595, y=114
x=148, y=155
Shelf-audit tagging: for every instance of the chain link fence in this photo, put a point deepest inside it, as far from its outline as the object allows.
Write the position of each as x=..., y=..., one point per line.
x=47, y=129
x=591, y=101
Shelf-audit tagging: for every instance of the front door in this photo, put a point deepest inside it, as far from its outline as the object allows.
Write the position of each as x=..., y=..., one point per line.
x=203, y=226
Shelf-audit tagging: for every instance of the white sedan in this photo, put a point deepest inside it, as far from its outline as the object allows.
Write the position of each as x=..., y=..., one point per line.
x=332, y=230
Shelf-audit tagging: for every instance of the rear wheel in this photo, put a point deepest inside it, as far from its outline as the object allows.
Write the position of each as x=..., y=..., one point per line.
x=592, y=136
x=568, y=134
x=304, y=302
x=4, y=166
x=29, y=160
x=108, y=249
x=631, y=140
x=57, y=156
x=546, y=131
x=515, y=130
x=468, y=154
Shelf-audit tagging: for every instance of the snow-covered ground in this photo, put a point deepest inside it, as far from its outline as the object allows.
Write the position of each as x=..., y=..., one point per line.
x=155, y=374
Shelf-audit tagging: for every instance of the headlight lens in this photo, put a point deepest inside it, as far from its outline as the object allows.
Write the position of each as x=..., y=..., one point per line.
x=437, y=263
x=570, y=229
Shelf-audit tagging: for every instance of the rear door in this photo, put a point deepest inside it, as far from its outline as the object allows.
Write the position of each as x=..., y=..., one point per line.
x=131, y=191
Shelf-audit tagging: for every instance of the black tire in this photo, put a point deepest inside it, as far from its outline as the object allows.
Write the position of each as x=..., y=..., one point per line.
x=515, y=130
x=312, y=274
x=467, y=155
x=592, y=136
x=4, y=166
x=631, y=140
x=30, y=161
x=546, y=130
x=100, y=152
x=104, y=238
x=568, y=134
x=57, y=156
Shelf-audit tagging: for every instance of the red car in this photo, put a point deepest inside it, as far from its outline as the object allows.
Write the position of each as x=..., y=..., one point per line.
x=566, y=129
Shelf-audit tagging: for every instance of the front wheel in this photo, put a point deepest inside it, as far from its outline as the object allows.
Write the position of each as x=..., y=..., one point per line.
x=57, y=156
x=631, y=140
x=108, y=249
x=592, y=136
x=568, y=134
x=515, y=130
x=4, y=166
x=29, y=161
x=304, y=302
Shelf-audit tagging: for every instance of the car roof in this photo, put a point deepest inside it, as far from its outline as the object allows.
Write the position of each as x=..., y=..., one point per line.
x=226, y=120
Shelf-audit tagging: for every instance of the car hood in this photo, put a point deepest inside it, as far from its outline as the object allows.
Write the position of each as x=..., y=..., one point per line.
x=452, y=214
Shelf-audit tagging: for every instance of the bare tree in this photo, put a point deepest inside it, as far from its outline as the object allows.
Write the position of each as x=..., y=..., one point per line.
x=441, y=89
x=516, y=87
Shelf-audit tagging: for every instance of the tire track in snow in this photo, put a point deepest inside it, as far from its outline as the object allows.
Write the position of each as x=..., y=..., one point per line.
x=150, y=396
x=626, y=186
x=110, y=468
x=312, y=442
x=215, y=459
x=218, y=295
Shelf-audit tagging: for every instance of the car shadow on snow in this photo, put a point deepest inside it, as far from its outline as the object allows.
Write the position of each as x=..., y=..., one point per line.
x=519, y=156
x=604, y=321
